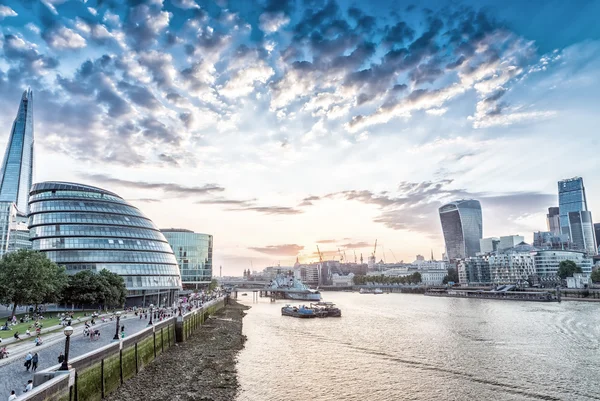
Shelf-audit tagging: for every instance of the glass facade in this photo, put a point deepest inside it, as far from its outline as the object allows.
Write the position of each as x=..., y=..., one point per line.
x=16, y=173
x=582, y=232
x=87, y=228
x=571, y=198
x=462, y=226
x=194, y=255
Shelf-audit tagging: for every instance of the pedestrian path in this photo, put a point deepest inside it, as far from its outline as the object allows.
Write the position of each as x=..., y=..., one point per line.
x=13, y=375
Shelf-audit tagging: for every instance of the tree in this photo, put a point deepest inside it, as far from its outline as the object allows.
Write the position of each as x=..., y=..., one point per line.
x=567, y=268
x=213, y=284
x=115, y=291
x=596, y=276
x=88, y=288
x=452, y=276
x=29, y=277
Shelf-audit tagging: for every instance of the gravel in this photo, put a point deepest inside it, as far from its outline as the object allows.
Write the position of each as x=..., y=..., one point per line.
x=201, y=369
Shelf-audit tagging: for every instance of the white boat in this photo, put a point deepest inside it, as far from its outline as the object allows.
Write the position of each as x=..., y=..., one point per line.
x=291, y=288
x=377, y=291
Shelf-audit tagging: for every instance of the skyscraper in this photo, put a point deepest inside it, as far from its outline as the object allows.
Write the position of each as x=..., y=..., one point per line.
x=597, y=233
x=16, y=176
x=16, y=173
x=575, y=219
x=553, y=220
x=462, y=227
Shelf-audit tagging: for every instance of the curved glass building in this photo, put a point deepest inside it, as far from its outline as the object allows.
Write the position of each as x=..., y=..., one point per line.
x=462, y=227
x=193, y=252
x=87, y=228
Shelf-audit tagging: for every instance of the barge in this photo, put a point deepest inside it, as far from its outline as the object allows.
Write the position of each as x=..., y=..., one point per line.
x=534, y=296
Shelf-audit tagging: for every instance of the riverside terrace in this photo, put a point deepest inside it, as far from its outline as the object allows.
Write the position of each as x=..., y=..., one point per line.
x=94, y=375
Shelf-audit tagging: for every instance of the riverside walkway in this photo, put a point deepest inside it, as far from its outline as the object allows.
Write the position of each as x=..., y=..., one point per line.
x=13, y=375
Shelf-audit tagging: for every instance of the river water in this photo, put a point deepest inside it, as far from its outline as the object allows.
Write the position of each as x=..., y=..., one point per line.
x=413, y=347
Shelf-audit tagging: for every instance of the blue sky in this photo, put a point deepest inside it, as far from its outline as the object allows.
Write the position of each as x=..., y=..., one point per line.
x=276, y=125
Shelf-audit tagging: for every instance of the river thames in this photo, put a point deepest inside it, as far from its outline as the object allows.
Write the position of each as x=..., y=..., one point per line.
x=413, y=347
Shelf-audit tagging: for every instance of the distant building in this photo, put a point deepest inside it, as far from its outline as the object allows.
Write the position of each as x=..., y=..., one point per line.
x=513, y=266
x=462, y=226
x=510, y=241
x=429, y=265
x=553, y=220
x=487, y=245
x=579, y=281
x=548, y=261
x=342, y=281
x=597, y=234
x=474, y=270
x=582, y=232
x=193, y=252
x=550, y=240
x=420, y=257
x=433, y=277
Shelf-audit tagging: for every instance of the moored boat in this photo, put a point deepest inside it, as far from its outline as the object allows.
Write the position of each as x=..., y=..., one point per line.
x=328, y=307
x=298, y=311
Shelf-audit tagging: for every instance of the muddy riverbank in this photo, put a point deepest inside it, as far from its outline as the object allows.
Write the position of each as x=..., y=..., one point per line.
x=201, y=369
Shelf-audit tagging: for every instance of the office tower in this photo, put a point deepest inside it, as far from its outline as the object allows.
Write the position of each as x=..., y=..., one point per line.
x=462, y=228
x=597, y=234
x=193, y=252
x=553, y=220
x=582, y=232
x=578, y=226
x=16, y=176
x=87, y=228
x=488, y=245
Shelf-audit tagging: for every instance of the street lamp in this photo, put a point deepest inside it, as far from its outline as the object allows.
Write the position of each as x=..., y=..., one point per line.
x=151, y=309
x=116, y=337
x=68, y=331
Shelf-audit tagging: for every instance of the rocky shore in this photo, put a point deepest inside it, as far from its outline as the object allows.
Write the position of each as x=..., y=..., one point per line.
x=201, y=369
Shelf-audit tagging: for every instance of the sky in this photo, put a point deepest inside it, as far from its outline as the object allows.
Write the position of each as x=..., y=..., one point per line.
x=278, y=125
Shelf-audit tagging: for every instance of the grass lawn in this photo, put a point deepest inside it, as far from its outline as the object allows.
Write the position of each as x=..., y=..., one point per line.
x=49, y=321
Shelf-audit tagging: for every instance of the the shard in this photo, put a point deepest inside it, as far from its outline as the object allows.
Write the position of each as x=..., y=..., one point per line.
x=16, y=178
x=16, y=174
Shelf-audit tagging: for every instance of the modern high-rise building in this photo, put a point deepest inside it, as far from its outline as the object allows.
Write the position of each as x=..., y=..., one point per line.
x=597, y=233
x=582, y=232
x=87, y=228
x=16, y=173
x=553, y=220
x=16, y=177
x=462, y=226
x=193, y=252
x=572, y=202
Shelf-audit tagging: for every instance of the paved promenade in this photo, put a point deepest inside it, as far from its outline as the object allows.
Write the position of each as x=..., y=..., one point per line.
x=13, y=375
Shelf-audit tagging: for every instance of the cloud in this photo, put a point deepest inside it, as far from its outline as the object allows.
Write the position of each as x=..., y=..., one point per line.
x=272, y=21
x=356, y=245
x=6, y=11
x=185, y=4
x=284, y=250
x=327, y=241
x=270, y=210
x=167, y=188
x=63, y=38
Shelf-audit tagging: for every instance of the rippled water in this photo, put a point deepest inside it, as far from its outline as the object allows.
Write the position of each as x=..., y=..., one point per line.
x=413, y=347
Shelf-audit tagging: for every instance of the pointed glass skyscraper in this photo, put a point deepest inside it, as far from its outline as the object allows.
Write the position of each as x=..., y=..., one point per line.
x=16, y=173
x=16, y=177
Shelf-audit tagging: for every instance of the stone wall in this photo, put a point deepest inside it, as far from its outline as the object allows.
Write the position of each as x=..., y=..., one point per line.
x=95, y=375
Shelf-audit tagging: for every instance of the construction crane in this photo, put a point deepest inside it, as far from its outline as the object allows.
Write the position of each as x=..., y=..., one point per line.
x=394, y=256
x=341, y=256
x=320, y=256
x=375, y=250
x=345, y=257
x=355, y=256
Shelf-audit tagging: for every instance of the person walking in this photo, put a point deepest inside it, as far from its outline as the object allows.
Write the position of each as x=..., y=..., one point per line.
x=34, y=362
x=61, y=358
x=28, y=359
x=12, y=396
